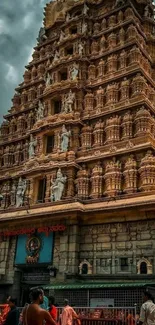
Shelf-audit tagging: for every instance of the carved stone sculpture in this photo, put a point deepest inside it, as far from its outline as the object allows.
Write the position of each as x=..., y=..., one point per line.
x=56, y=56
x=96, y=181
x=84, y=28
x=48, y=80
x=86, y=137
x=147, y=172
x=81, y=49
x=68, y=102
x=112, y=93
x=102, y=44
x=13, y=194
x=85, y=9
x=130, y=175
x=21, y=189
x=88, y=102
x=96, y=28
x=40, y=111
x=42, y=35
x=127, y=126
x=32, y=145
x=124, y=89
x=57, y=186
x=73, y=72
x=113, y=177
x=143, y=122
x=82, y=183
x=91, y=72
x=99, y=98
x=113, y=129
x=65, y=135
x=98, y=134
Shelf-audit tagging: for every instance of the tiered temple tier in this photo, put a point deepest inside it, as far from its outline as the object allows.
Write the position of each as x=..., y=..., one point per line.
x=84, y=115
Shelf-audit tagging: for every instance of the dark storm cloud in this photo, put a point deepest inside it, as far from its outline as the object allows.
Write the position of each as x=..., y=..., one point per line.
x=20, y=21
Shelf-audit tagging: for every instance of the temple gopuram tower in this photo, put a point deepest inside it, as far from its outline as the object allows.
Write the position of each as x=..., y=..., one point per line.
x=77, y=157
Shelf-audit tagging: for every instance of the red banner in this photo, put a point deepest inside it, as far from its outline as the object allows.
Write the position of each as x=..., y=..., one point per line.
x=30, y=231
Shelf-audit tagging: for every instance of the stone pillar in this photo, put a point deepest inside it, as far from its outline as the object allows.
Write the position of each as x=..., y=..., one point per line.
x=63, y=254
x=73, y=252
x=70, y=180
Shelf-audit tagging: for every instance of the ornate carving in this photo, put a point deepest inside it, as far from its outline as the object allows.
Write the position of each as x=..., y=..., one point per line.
x=130, y=175
x=57, y=186
x=98, y=134
x=68, y=102
x=96, y=181
x=20, y=194
x=143, y=122
x=82, y=183
x=113, y=177
x=86, y=137
x=127, y=126
x=147, y=172
x=65, y=135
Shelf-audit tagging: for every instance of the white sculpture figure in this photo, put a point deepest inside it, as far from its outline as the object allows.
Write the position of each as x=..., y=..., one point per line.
x=65, y=135
x=73, y=72
x=62, y=36
x=85, y=9
x=40, y=111
x=48, y=80
x=81, y=49
x=56, y=56
x=57, y=186
x=32, y=145
x=68, y=17
x=21, y=189
x=84, y=28
x=68, y=101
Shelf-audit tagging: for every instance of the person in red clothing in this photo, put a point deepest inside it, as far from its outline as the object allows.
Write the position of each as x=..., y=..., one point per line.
x=52, y=309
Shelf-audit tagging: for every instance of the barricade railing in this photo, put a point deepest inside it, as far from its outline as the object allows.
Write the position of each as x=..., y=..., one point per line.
x=104, y=315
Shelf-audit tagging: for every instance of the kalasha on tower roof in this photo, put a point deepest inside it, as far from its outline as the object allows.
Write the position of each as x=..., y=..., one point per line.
x=82, y=121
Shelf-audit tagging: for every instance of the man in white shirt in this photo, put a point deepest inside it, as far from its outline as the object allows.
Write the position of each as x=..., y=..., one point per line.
x=147, y=312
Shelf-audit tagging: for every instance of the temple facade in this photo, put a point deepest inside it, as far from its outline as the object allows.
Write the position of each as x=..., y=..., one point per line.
x=77, y=158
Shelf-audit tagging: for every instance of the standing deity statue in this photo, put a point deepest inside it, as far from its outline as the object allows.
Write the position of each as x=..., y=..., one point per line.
x=73, y=72
x=42, y=35
x=62, y=36
x=48, y=80
x=65, y=135
x=32, y=145
x=84, y=28
x=68, y=101
x=21, y=189
x=56, y=56
x=85, y=9
x=81, y=49
x=40, y=111
x=68, y=17
x=13, y=195
x=57, y=186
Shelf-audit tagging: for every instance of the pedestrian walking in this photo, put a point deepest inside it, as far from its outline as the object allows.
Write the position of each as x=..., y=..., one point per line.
x=52, y=309
x=68, y=314
x=147, y=313
x=12, y=317
x=33, y=314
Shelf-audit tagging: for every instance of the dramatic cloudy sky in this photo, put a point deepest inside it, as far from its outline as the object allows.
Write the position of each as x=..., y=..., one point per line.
x=20, y=21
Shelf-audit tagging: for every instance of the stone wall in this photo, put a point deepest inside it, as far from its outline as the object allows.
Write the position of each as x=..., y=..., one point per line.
x=7, y=254
x=103, y=246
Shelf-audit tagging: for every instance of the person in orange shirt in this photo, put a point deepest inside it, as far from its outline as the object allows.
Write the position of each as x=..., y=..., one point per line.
x=52, y=309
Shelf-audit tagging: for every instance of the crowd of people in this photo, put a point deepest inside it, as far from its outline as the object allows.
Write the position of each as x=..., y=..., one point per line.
x=42, y=311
